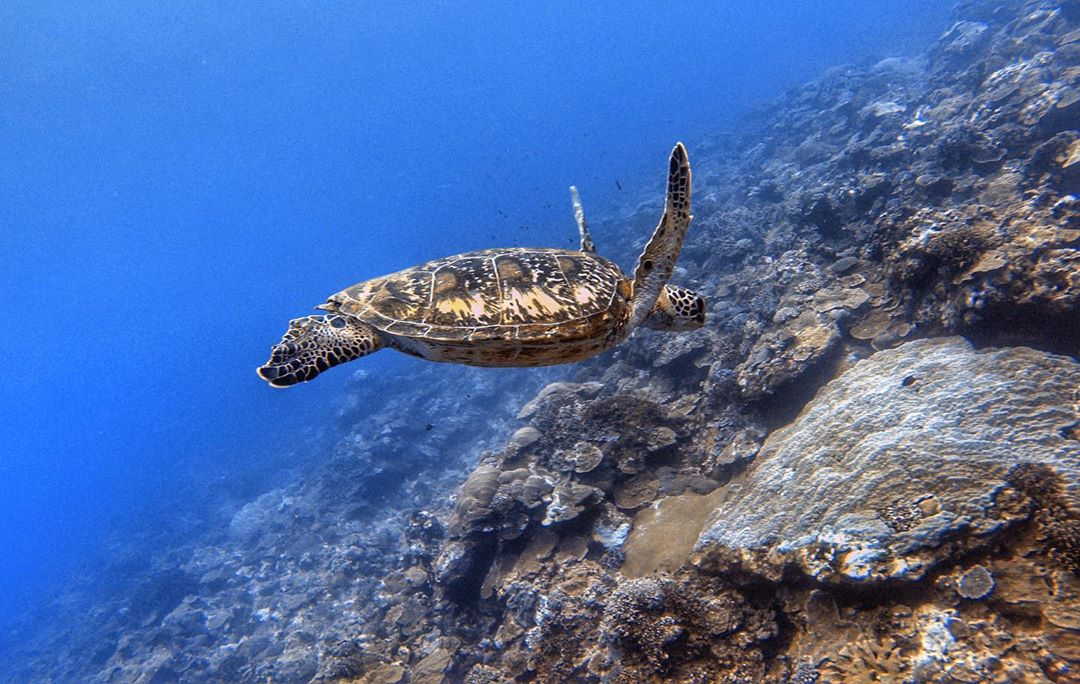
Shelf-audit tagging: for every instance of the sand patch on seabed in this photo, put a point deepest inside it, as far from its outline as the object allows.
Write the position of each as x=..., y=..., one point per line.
x=665, y=533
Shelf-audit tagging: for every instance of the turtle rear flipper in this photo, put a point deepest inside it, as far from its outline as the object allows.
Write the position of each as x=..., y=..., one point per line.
x=315, y=343
x=587, y=244
x=657, y=262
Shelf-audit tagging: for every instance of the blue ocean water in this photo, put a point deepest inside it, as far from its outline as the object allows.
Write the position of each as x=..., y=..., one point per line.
x=178, y=180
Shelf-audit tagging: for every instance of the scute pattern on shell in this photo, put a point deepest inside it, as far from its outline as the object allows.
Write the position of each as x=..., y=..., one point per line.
x=498, y=294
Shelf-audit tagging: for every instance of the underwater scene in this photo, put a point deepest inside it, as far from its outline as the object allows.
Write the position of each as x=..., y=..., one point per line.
x=480, y=342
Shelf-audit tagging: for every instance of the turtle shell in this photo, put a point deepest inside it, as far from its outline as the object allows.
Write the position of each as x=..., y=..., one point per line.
x=527, y=299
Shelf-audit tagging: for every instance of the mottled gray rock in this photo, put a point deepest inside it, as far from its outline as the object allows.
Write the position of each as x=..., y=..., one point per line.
x=558, y=390
x=899, y=463
x=525, y=436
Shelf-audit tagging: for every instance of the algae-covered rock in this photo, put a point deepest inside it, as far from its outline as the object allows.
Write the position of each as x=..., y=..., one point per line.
x=900, y=463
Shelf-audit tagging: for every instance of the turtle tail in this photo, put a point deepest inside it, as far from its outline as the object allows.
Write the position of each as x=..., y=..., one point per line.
x=314, y=343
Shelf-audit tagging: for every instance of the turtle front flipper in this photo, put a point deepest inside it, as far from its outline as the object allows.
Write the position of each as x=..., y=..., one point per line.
x=657, y=262
x=314, y=343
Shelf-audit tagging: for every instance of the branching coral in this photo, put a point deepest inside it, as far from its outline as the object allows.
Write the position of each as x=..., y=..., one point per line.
x=1058, y=524
x=656, y=623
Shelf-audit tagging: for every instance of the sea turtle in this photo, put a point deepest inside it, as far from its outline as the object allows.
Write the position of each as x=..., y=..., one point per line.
x=503, y=307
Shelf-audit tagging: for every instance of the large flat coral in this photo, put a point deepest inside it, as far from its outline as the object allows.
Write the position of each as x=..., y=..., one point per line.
x=900, y=463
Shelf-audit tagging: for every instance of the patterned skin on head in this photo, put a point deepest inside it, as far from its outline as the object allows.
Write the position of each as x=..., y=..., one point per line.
x=315, y=343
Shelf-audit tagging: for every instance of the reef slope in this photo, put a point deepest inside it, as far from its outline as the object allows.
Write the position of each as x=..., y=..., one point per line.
x=825, y=484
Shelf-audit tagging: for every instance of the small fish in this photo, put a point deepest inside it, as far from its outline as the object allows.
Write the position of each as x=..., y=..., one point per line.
x=618, y=184
x=428, y=427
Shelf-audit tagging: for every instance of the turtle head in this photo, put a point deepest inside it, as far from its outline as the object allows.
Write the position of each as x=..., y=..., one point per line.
x=677, y=310
x=315, y=343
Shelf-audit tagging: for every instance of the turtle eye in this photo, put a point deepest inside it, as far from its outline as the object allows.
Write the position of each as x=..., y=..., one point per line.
x=337, y=322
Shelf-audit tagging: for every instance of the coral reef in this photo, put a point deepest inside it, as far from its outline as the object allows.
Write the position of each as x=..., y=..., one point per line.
x=929, y=428
x=281, y=590
x=1057, y=516
x=824, y=484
